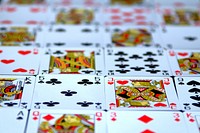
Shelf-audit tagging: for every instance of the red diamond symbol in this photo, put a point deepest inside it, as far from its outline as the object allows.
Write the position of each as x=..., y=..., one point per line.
x=48, y=117
x=191, y=120
x=113, y=119
x=98, y=119
x=147, y=131
x=35, y=118
x=146, y=119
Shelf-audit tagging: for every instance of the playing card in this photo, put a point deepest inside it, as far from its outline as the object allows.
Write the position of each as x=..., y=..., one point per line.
x=192, y=121
x=16, y=91
x=136, y=61
x=141, y=93
x=26, y=2
x=75, y=15
x=176, y=2
x=178, y=15
x=67, y=121
x=181, y=38
x=188, y=92
x=19, y=60
x=33, y=15
x=13, y=120
x=129, y=36
x=128, y=16
x=72, y=61
x=145, y=122
x=20, y=35
x=184, y=62
x=69, y=92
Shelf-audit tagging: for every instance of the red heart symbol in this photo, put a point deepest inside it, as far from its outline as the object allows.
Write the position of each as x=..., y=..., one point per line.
x=122, y=82
x=160, y=105
x=20, y=70
x=1, y=51
x=110, y=82
x=11, y=9
x=98, y=119
x=35, y=10
x=24, y=52
x=6, y=22
x=7, y=61
x=183, y=53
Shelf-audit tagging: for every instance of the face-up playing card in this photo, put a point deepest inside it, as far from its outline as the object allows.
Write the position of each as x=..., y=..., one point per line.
x=20, y=35
x=34, y=15
x=184, y=62
x=188, y=89
x=76, y=15
x=19, y=61
x=16, y=91
x=128, y=16
x=129, y=36
x=65, y=121
x=72, y=61
x=178, y=15
x=13, y=120
x=136, y=61
x=192, y=121
x=69, y=92
x=128, y=93
x=181, y=38
x=145, y=122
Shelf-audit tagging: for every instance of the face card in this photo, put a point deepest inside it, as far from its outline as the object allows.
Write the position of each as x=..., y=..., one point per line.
x=16, y=91
x=178, y=15
x=128, y=16
x=152, y=93
x=184, y=62
x=186, y=37
x=20, y=35
x=34, y=15
x=188, y=92
x=75, y=15
x=69, y=92
x=19, y=61
x=71, y=121
x=145, y=122
x=126, y=36
x=13, y=120
x=72, y=61
x=192, y=121
x=136, y=61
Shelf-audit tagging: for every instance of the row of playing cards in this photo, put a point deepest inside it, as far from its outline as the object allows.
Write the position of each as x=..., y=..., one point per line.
x=90, y=92
x=98, y=61
x=169, y=37
x=74, y=121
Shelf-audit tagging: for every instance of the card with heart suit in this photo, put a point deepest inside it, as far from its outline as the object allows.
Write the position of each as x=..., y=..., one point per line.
x=72, y=61
x=19, y=60
x=21, y=35
x=115, y=15
x=64, y=121
x=136, y=61
x=26, y=2
x=178, y=15
x=192, y=121
x=180, y=37
x=145, y=122
x=184, y=62
x=140, y=93
x=13, y=120
x=33, y=15
x=188, y=89
x=129, y=36
x=16, y=91
x=79, y=92
x=76, y=15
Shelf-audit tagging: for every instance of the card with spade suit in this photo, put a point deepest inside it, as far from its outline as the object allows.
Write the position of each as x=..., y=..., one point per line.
x=72, y=61
x=16, y=91
x=69, y=92
x=140, y=93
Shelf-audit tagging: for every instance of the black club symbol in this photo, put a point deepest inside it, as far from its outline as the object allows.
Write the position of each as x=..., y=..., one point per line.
x=50, y=104
x=85, y=82
x=85, y=103
x=68, y=93
x=53, y=81
x=10, y=104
